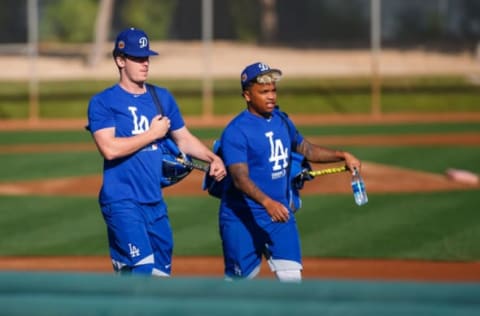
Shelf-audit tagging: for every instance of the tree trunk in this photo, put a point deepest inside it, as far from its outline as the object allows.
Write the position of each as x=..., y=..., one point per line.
x=102, y=29
x=269, y=21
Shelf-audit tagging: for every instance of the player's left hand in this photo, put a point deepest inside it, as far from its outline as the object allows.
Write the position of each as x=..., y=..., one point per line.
x=352, y=162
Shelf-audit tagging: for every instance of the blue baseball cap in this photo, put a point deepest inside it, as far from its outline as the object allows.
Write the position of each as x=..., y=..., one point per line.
x=133, y=42
x=252, y=71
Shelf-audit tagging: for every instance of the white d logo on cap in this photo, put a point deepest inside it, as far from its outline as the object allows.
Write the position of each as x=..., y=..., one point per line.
x=263, y=67
x=143, y=41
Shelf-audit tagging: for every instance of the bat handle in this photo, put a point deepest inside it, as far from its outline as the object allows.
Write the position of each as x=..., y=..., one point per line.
x=193, y=165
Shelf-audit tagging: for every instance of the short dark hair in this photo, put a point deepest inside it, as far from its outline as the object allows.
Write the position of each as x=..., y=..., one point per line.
x=248, y=85
x=116, y=53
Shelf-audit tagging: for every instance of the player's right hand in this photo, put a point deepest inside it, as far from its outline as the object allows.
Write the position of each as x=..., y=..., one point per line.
x=277, y=211
x=159, y=126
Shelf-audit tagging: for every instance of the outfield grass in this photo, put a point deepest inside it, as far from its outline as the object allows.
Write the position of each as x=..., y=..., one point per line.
x=431, y=159
x=442, y=226
x=51, y=226
x=69, y=99
x=52, y=137
x=435, y=226
x=49, y=165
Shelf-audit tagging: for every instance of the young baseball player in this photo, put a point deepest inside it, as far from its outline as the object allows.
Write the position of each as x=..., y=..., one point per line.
x=255, y=218
x=127, y=130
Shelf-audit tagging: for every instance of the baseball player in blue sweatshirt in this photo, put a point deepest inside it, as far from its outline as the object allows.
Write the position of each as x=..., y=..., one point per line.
x=127, y=128
x=255, y=218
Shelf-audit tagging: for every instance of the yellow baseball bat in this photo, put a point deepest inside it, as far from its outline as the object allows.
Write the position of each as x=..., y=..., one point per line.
x=325, y=171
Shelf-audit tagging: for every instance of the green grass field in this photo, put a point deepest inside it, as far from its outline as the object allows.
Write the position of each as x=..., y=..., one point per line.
x=69, y=99
x=436, y=226
x=431, y=226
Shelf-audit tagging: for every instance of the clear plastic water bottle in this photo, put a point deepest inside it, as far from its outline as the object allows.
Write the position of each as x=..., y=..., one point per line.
x=358, y=188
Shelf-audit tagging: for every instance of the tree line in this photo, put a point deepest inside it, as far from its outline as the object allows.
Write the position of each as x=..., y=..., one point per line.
x=317, y=23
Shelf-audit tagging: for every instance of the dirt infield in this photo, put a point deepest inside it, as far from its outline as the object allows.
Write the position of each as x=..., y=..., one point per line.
x=314, y=268
x=406, y=181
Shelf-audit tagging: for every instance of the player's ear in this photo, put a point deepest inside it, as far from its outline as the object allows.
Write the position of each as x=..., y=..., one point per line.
x=120, y=61
x=246, y=95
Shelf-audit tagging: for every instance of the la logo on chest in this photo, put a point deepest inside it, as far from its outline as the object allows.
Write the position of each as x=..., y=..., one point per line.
x=278, y=152
x=140, y=123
